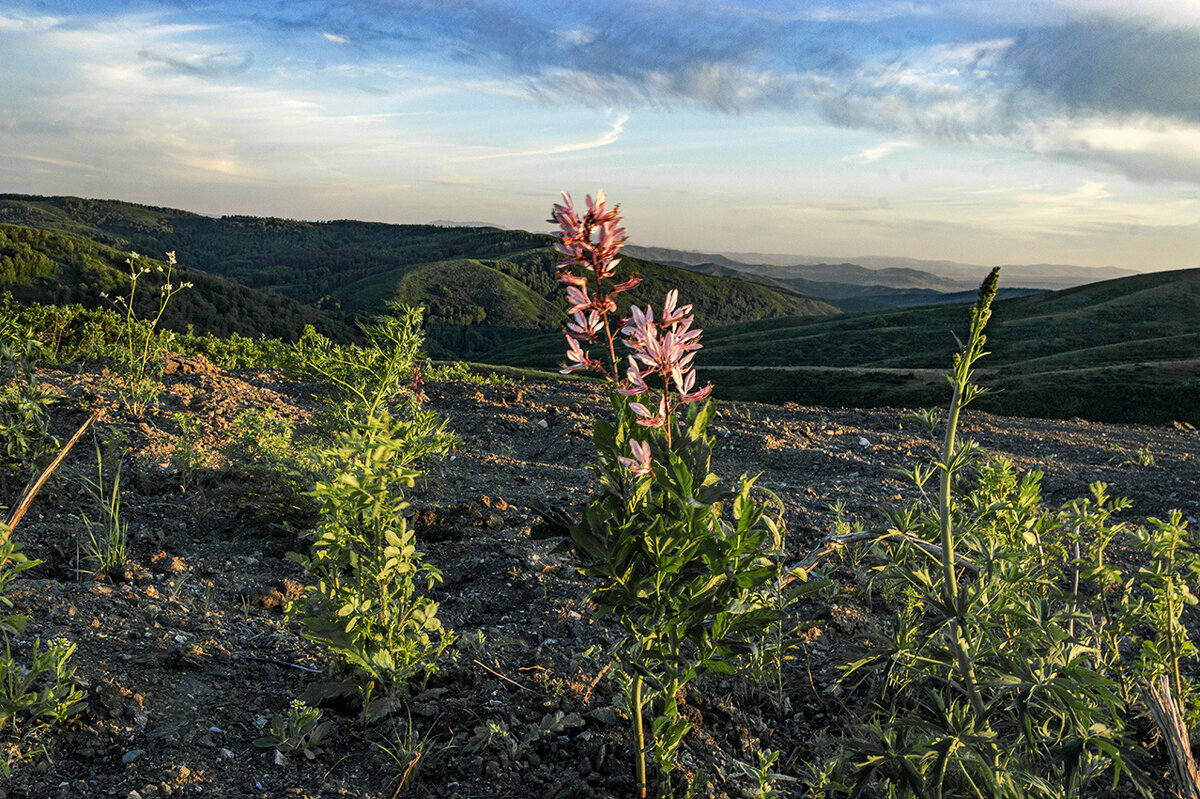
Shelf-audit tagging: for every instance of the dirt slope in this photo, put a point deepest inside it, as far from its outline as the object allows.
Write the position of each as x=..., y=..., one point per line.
x=186, y=655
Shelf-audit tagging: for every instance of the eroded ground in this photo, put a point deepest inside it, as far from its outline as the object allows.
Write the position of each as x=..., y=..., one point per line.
x=186, y=654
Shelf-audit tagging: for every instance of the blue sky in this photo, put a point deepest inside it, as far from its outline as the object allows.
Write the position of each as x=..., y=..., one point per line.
x=986, y=131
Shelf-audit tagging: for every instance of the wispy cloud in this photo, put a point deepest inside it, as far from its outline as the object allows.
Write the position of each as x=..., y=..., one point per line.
x=14, y=23
x=878, y=153
x=207, y=64
x=606, y=138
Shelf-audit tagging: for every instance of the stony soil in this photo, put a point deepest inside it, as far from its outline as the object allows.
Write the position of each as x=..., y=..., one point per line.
x=187, y=654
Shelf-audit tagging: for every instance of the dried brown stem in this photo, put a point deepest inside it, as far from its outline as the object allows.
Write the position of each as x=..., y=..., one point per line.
x=32, y=491
x=1165, y=711
x=507, y=679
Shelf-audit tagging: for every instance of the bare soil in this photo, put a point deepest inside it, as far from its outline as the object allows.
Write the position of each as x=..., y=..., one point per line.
x=186, y=654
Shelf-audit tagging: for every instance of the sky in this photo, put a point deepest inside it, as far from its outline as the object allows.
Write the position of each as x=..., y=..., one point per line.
x=981, y=131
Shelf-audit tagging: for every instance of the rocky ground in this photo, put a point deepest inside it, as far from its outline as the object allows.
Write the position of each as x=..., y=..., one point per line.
x=185, y=655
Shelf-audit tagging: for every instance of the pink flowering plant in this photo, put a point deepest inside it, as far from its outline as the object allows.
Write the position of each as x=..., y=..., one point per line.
x=679, y=558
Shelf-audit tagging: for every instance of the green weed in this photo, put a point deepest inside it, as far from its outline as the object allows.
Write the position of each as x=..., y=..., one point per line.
x=106, y=547
x=299, y=730
x=26, y=444
x=137, y=359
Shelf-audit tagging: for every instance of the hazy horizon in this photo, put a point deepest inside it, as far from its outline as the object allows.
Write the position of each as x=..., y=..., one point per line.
x=1065, y=132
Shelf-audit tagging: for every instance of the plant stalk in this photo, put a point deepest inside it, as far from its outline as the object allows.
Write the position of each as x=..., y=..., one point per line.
x=639, y=740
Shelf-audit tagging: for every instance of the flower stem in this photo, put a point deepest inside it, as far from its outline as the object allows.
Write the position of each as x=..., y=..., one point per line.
x=639, y=739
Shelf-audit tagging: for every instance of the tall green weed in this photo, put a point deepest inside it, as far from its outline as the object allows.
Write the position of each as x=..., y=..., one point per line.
x=991, y=680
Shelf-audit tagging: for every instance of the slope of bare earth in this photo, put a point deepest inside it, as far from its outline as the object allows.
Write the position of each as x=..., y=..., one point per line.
x=186, y=655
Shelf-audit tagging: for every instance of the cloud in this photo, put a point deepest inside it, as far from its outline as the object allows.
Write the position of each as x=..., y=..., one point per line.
x=204, y=64
x=1108, y=66
x=336, y=39
x=20, y=24
x=873, y=154
x=610, y=136
x=1144, y=149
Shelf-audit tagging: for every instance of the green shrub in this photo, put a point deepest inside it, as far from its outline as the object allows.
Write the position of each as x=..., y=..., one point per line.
x=44, y=691
x=26, y=444
x=366, y=606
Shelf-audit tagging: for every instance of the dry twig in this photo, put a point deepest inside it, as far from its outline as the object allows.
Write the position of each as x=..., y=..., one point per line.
x=32, y=491
x=1165, y=711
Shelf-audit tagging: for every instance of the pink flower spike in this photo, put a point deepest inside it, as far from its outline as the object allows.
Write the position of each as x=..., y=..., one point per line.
x=578, y=281
x=639, y=464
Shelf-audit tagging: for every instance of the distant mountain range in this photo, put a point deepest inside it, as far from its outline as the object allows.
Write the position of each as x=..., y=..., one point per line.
x=887, y=271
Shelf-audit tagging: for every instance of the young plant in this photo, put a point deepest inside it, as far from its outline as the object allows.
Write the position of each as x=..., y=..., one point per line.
x=1142, y=456
x=108, y=537
x=298, y=731
x=1173, y=577
x=141, y=346
x=680, y=560
x=190, y=459
x=365, y=380
x=44, y=691
x=366, y=606
x=25, y=440
x=411, y=752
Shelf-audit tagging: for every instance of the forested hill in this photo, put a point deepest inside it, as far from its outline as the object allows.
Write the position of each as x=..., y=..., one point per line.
x=467, y=277
x=50, y=267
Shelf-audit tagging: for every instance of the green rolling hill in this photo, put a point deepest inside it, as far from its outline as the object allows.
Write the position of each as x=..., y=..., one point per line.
x=1119, y=350
x=483, y=287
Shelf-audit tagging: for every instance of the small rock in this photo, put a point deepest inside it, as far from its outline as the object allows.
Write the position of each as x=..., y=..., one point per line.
x=604, y=715
x=131, y=756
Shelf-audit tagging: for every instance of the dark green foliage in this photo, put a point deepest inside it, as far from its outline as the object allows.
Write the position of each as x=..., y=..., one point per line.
x=51, y=267
x=44, y=691
x=26, y=444
x=1127, y=347
x=994, y=680
x=368, y=605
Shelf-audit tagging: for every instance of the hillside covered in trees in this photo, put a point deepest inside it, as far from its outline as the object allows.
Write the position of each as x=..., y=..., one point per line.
x=482, y=287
